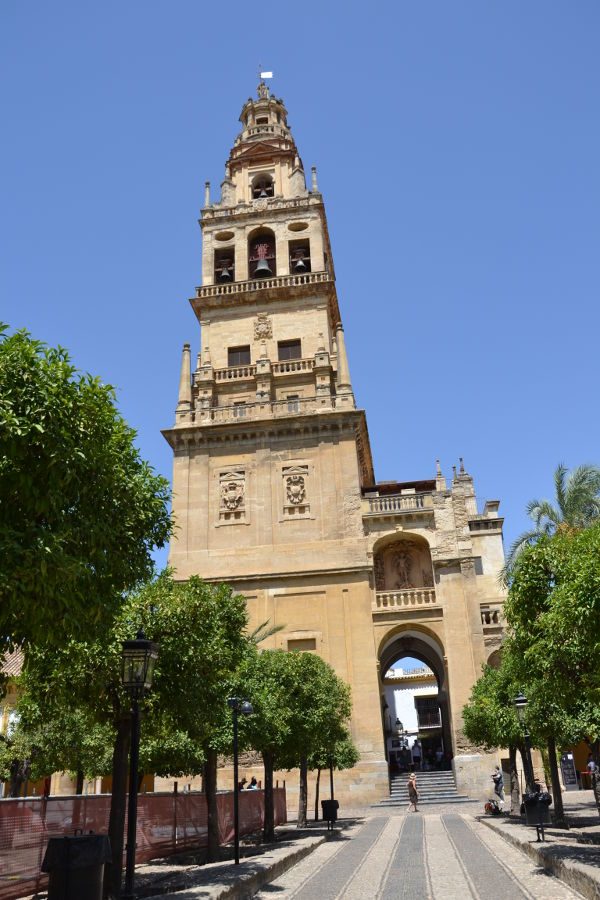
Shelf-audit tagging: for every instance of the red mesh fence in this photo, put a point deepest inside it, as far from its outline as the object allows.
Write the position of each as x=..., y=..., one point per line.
x=166, y=824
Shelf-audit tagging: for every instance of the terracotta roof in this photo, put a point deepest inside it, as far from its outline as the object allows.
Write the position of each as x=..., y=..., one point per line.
x=12, y=663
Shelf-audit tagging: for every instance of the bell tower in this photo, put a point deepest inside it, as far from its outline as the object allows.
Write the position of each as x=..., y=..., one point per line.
x=271, y=455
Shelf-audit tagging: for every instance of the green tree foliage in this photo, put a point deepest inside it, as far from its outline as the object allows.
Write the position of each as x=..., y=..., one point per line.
x=80, y=511
x=576, y=506
x=553, y=608
x=339, y=755
x=301, y=706
x=200, y=629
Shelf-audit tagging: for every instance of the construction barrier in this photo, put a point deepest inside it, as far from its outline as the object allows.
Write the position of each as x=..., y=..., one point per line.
x=166, y=824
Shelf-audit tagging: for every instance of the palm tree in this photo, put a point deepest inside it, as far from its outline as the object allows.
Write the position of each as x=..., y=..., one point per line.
x=576, y=505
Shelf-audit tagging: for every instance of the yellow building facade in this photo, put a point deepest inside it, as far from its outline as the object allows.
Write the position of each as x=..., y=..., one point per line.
x=273, y=481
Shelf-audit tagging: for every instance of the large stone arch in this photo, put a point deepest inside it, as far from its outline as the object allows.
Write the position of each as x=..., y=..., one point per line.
x=422, y=643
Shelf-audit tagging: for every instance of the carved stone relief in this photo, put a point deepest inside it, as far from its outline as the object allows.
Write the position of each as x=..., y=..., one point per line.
x=295, y=487
x=263, y=327
x=232, y=490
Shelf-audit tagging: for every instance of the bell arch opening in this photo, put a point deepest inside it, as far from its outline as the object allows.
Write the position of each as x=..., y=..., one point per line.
x=415, y=702
x=262, y=262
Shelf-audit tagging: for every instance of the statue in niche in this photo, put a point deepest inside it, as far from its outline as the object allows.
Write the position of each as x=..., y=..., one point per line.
x=402, y=562
x=427, y=576
x=295, y=489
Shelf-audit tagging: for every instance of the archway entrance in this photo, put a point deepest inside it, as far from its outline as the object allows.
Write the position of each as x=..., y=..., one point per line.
x=415, y=704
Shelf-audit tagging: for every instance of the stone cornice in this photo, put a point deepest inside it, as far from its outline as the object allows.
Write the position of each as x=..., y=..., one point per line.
x=335, y=421
x=244, y=211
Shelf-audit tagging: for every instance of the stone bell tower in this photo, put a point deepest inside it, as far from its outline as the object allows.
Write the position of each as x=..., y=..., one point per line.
x=270, y=452
x=274, y=490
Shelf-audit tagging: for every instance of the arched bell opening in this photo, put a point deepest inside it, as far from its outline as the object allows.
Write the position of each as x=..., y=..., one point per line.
x=262, y=262
x=224, y=265
x=263, y=185
x=299, y=256
x=415, y=705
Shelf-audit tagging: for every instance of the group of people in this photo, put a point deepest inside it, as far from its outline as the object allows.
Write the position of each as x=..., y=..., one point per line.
x=245, y=785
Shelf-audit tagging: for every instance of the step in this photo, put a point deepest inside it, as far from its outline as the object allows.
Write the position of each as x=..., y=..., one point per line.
x=429, y=802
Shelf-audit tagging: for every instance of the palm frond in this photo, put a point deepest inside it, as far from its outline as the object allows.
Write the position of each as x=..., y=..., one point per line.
x=527, y=539
x=544, y=514
x=263, y=631
x=560, y=480
x=582, y=496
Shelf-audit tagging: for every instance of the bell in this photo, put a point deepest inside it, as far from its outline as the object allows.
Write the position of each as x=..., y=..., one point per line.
x=225, y=274
x=262, y=269
x=300, y=265
x=262, y=194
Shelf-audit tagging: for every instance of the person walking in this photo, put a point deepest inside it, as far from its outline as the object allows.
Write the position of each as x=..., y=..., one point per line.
x=416, y=754
x=498, y=780
x=413, y=794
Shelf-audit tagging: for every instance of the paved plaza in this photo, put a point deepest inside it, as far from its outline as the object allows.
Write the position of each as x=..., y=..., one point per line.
x=417, y=856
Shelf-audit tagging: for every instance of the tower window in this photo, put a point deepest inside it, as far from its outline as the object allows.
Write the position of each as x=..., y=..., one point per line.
x=224, y=265
x=289, y=350
x=262, y=120
x=262, y=186
x=261, y=254
x=299, y=257
x=238, y=356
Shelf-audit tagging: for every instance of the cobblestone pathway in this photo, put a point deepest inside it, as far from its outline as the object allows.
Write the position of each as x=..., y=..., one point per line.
x=417, y=857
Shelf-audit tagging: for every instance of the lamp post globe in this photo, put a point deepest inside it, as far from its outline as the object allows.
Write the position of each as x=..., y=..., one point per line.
x=520, y=703
x=138, y=660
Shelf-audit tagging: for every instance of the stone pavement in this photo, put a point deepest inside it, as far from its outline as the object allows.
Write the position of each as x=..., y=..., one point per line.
x=417, y=856
x=574, y=854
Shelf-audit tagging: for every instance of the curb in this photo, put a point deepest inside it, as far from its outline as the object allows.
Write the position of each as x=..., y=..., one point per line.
x=570, y=873
x=247, y=884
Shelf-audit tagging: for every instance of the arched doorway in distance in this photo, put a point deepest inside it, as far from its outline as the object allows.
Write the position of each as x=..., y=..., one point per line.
x=415, y=707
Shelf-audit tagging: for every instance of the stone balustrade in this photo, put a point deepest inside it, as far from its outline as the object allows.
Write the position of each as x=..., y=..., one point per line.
x=289, y=366
x=235, y=373
x=492, y=615
x=410, y=597
x=261, y=284
x=264, y=409
x=392, y=504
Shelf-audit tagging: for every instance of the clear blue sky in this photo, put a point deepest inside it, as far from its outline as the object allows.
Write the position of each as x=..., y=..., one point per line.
x=458, y=149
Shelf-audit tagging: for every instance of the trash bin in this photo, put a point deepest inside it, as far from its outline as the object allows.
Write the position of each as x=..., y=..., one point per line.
x=76, y=866
x=329, y=809
x=537, y=807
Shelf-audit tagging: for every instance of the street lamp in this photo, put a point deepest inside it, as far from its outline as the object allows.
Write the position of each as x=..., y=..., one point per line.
x=244, y=707
x=520, y=703
x=138, y=659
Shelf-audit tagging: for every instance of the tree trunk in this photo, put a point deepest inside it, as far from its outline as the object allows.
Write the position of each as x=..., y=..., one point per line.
x=16, y=778
x=317, y=785
x=559, y=812
x=515, y=793
x=303, y=795
x=210, y=789
x=269, y=826
x=595, y=749
x=118, y=803
x=79, y=782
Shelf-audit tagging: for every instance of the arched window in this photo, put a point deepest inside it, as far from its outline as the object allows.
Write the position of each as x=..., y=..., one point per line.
x=262, y=187
x=224, y=265
x=261, y=254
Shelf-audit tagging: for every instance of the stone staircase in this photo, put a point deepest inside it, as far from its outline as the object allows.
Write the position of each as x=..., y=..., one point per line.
x=434, y=787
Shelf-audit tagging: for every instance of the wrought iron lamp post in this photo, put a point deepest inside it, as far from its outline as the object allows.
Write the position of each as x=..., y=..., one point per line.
x=520, y=703
x=139, y=657
x=244, y=707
